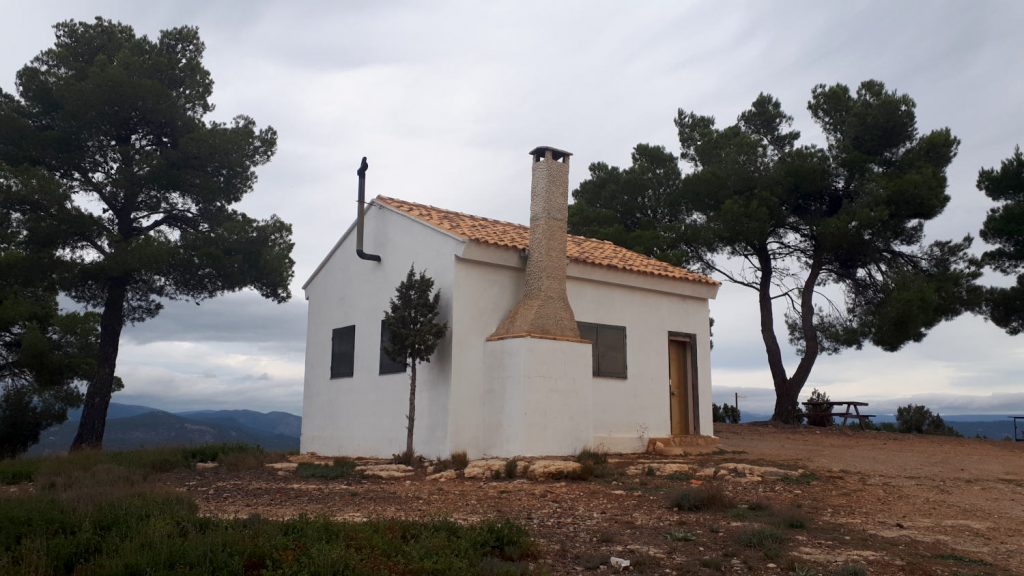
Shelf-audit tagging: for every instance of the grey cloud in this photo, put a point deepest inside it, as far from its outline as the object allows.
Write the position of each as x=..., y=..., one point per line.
x=240, y=317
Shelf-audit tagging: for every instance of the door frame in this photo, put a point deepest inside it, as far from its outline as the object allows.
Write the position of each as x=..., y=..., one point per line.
x=693, y=381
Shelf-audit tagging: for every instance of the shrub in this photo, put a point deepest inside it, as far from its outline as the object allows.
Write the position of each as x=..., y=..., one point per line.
x=918, y=419
x=726, y=413
x=708, y=496
x=818, y=415
x=766, y=539
x=593, y=464
x=18, y=471
x=408, y=458
x=459, y=460
x=592, y=456
x=511, y=468
x=340, y=468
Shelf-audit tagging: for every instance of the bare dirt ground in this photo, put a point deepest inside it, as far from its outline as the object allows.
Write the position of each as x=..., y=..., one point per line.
x=895, y=504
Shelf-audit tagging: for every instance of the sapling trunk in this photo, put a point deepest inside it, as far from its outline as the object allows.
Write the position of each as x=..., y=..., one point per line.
x=412, y=413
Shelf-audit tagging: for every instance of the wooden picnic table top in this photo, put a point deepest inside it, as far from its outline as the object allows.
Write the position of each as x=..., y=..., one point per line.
x=834, y=403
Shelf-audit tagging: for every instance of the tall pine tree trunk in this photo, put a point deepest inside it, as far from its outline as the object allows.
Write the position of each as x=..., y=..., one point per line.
x=97, y=398
x=412, y=414
x=787, y=389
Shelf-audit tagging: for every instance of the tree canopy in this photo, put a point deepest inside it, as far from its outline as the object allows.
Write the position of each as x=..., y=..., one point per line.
x=834, y=232
x=146, y=185
x=44, y=353
x=1004, y=229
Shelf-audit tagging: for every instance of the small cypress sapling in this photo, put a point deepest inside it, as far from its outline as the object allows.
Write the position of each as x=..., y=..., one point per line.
x=415, y=334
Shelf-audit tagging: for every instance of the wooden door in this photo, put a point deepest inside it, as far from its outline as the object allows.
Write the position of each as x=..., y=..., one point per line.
x=679, y=386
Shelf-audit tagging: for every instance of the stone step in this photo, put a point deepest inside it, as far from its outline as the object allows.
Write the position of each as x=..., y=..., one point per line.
x=679, y=445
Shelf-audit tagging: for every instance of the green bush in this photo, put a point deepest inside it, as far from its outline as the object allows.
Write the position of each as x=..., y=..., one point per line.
x=142, y=463
x=818, y=415
x=340, y=468
x=459, y=460
x=726, y=413
x=766, y=539
x=918, y=419
x=511, y=468
x=700, y=498
x=18, y=471
x=593, y=464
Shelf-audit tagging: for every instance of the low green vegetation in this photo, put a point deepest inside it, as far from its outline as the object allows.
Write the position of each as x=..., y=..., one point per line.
x=593, y=464
x=340, y=468
x=918, y=419
x=139, y=462
x=726, y=413
x=104, y=513
x=764, y=538
x=702, y=498
x=963, y=560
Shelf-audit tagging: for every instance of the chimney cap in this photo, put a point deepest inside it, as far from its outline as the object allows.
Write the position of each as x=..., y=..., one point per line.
x=556, y=154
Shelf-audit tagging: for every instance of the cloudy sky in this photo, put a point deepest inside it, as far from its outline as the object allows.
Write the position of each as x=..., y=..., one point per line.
x=446, y=98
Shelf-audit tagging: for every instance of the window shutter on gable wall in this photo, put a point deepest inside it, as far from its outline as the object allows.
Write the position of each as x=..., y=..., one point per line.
x=387, y=365
x=343, y=345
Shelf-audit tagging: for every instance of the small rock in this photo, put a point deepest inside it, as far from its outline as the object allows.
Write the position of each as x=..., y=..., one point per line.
x=484, y=468
x=706, y=473
x=618, y=563
x=548, y=469
x=385, y=470
x=443, y=476
x=283, y=466
x=206, y=465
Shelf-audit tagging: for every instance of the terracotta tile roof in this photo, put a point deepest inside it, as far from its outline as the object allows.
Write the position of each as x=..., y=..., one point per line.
x=498, y=233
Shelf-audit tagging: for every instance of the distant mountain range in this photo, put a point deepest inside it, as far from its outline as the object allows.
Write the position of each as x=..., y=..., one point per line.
x=991, y=426
x=130, y=426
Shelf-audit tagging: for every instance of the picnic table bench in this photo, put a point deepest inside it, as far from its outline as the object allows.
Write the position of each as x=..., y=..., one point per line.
x=850, y=410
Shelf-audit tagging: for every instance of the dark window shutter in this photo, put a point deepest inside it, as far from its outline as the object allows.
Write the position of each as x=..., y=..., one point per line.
x=609, y=348
x=343, y=352
x=387, y=365
x=611, y=351
x=588, y=331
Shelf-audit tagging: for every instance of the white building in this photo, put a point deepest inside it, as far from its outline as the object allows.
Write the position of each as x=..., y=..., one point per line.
x=639, y=369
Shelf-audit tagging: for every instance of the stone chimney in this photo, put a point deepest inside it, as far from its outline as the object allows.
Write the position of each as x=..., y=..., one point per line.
x=544, y=308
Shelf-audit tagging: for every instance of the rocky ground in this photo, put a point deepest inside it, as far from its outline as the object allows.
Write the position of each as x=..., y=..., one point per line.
x=889, y=503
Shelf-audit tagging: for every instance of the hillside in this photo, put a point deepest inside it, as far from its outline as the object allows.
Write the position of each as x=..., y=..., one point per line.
x=130, y=427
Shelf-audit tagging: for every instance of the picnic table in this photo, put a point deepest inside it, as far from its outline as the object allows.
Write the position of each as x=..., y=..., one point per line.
x=850, y=410
x=1018, y=435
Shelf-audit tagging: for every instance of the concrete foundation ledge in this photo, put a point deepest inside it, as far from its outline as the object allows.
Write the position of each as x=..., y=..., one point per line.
x=679, y=445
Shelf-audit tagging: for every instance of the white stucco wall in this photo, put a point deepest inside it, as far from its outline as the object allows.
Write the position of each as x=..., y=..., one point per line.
x=625, y=411
x=365, y=415
x=536, y=397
